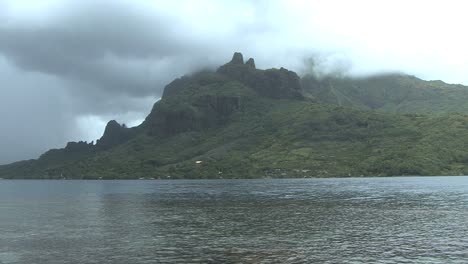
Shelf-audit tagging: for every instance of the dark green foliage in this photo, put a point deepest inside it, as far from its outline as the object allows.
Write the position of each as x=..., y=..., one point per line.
x=397, y=93
x=223, y=125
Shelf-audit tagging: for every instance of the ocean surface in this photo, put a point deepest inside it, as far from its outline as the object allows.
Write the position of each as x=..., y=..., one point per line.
x=358, y=220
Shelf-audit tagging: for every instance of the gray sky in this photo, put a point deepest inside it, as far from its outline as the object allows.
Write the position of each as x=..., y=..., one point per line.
x=69, y=66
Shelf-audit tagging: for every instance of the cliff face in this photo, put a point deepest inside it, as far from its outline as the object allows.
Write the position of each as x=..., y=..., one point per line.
x=273, y=83
x=203, y=112
x=196, y=102
x=114, y=134
x=231, y=121
x=209, y=99
x=80, y=146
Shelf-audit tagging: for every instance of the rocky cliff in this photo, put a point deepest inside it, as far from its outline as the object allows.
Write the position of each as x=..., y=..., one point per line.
x=243, y=122
x=114, y=134
x=272, y=83
x=208, y=99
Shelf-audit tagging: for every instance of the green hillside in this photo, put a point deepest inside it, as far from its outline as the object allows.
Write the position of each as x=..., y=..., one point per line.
x=397, y=93
x=242, y=122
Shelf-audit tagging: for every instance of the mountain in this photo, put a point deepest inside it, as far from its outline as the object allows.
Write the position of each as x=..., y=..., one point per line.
x=243, y=122
x=396, y=93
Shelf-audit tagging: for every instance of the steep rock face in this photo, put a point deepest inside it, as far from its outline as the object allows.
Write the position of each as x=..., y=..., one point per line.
x=250, y=63
x=165, y=120
x=272, y=83
x=215, y=109
x=176, y=86
x=208, y=99
x=114, y=134
x=237, y=58
x=281, y=83
x=204, y=112
x=189, y=84
x=223, y=106
x=81, y=146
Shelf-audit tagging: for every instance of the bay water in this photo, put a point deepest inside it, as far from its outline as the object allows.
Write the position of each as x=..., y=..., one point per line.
x=353, y=220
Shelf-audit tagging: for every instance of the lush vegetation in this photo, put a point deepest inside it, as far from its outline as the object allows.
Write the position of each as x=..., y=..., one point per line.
x=226, y=125
x=397, y=93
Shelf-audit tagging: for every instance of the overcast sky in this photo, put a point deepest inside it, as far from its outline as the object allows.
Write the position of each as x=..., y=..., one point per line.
x=67, y=67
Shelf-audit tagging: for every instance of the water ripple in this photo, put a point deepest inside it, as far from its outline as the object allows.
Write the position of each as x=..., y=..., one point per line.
x=391, y=220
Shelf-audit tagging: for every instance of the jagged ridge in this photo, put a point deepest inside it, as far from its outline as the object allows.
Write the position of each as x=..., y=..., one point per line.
x=240, y=121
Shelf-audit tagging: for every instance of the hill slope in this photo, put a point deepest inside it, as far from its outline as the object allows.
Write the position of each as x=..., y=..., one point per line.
x=241, y=122
x=397, y=93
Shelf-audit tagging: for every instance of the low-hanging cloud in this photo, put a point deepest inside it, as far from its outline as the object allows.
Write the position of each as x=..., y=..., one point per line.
x=107, y=44
x=85, y=62
x=67, y=66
